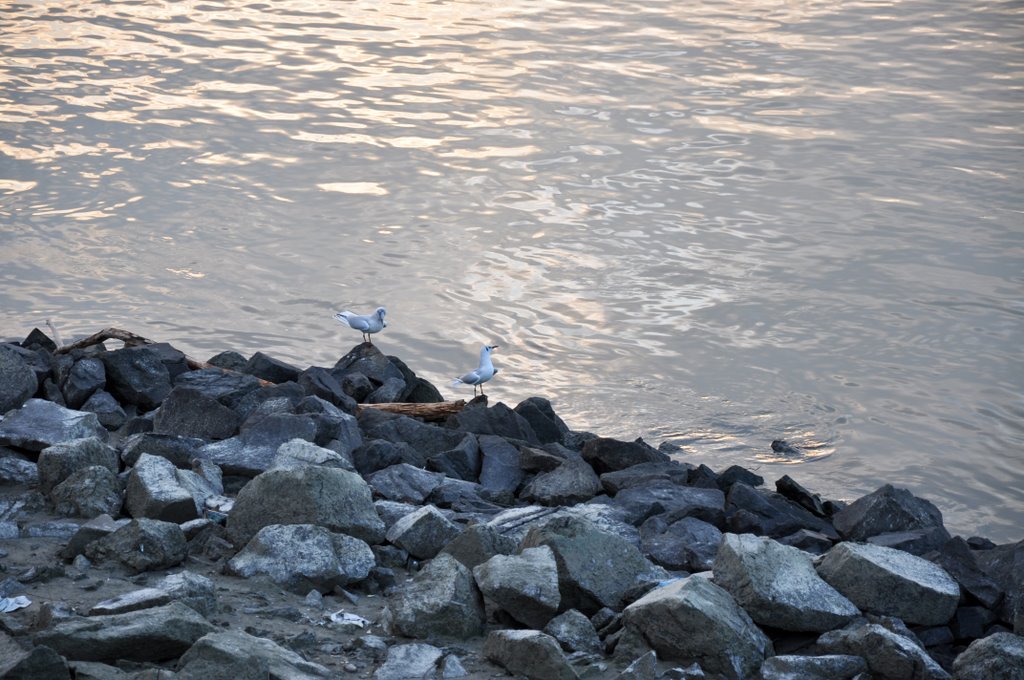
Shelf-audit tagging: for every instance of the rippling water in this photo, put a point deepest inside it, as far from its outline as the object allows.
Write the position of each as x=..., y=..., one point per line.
x=711, y=223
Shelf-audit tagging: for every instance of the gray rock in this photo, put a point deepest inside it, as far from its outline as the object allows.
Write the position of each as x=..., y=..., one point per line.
x=813, y=542
x=301, y=453
x=413, y=660
x=154, y=491
x=253, y=451
x=916, y=542
x=889, y=655
x=665, y=473
x=689, y=544
x=693, y=619
x=187, y=412
x=88, y=492
x=462, y=462
x=738, y=473
x=270, y=369
x=825, y=667
x=498, y=420
x=107, y=410
x=1004, y=565
x=132, y=601
x=39, y=424
x=543, y=420
x=515, y=523
x=193, y=590
x=478, y=543
x=595, y=568
x=333, y=425
x=179, y=450
x=150, y=635
x=999, y=656
x=778, y=586
x=38, y=663
x=16, y=470
x=891, y=582
x=137, y=375
x=94, y=529
x=423, y=533
x=675, y=502
x=377, y=454
x=644, y=667
x=441, y=601
x=609, y=455
x=17, y=379
x=529, y=653
x=227, y=387
x=94, y=670
x=957, y=558
x=404, y=483
x=500, y=468
x=319, y=382
x=884, y=510
x=388, y=393
x=59, y=461
x=86, y=376
x=765, y=513
x=303, y=556
x=574, y=481
x=222, y=655
x=369, y=361
x=141, y=545
x=575, y=632
x=229, y=359
x=338, y=500
x=789, y=488
x=524, y=585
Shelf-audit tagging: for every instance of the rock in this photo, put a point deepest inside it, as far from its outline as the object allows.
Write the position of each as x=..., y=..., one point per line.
x=188, y=412
x=377, y=454
x=572, y=482
x=498, y=420
x=999, y=656
x=1004, y=564
x=413, y=660
x=524, y=585
x=478, y=543
x=813, y=542
x=356, y=386
x=334, y=428
x=319, y=382
x=389, y=392
x=736, y=473
x=644, y=667
x=18, y=381
x=548, y=427
x=769, y=514
x=229, y=359
x=916, y=542
x=889, y=656
x=193, y=590
x=423, y=533
x=227, y=387
x=672, y=501
x=179, y=450
x=154, y=491
x=131, y=601
x=141, y=545
x=404, y=483
x=137, y=375
x=825, y=667
x=668, y=473
x=688, y=544
x=595, y=568
x=298, y=453
x=38, y=663
x=107, y=410
x=303, y=556
x=59, y=461
x=693, y=619
x=253, y=451
x=39, y=424
x=516, y=523
x=811, y=502
x=94, y=529
x=234, y=655
x=270, y=369
x=441, y=601
x=575, y=633
x=884, y=510
x=891, y=582
x=369, y=361
x=426, y=440
x=88, y=492
x=957, y=558
x=86, y=377
x=338, y=500
x=500, y=468
x=37, y=340
x=16, y=470
x=970, y=623
x=529, y=653
x=149, y=635
x=777, y=585
x=609, y=455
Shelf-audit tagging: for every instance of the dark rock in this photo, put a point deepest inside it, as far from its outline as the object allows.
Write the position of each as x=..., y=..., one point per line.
x=278, y=399
x=813, y=542
x=228, y=359
x=789, y=488
x=996, y=657
x=957, y=558
x=390, y=392
x=784, y=447
x=646, y=475
x=107, y=410
x=405, y=483
x=356, y=386
x=37, y=340
x=934, y=636
x=40, y=423
x=235, y=655
x=189, y=413
x=18, y=381
x=57, y=462
x=137, y=375
x=769, y=514
x=423, y=533
x=500, y=468
x=378, y=454
x=270, y=369
x=319, y=382
x=426, y=439
x=609, y=455
x=675, y=502
x=575, y=633
x=478, y=543
x=498, y=420
x=141, y=545
x=970, y=623
x=421, y=391
x=304, y=556
x=890, y=656
x=85, y=377
x=916, y=542
x=179, y=450
x=37, y=663
x=1004, y=564
x=370, y=362
x=94, y=529
x=461, y=462
x=334, y=427
x=336, y=499
x=150, y=635
x=735, y=473
x=524, y=585
x=884, y=510
x=574, y=481
x=253, y=451
x=529, y=653
x=154, y=491
x=980, y=543
x=703, y=477
x=688, y=544
x=14, y=469
x=88, y=492
x=441, y=601
x=825, y=667
x=543, y=420
x=227, y=387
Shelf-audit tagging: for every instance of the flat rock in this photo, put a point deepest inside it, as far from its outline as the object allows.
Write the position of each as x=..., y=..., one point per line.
x=529, y=653
x=234, y=655
x=524, y=585
x=824, y=667
x=40, y=423
x=268, y=368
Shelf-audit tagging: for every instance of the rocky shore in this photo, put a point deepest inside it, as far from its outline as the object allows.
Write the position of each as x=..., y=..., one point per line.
x=248, y=519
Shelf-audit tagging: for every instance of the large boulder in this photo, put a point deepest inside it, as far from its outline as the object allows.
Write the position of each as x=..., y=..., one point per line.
x=890, y=656
x=233, y=654
x=404, y=483
x=336, y=499
x=543, y=420
x=498, y=420
x=478, y=543
x=609, y=455
x=152, y=634
x=574, y=481
x=441, y=601
x=89, y=492
x=778, y=586
x=301, y=453
x=40, y=423
x=255, y=448
x=528, y=653
x=999, y=656
x=86, y=377
x=270, y=369
x=59, y=461
x=141, y=545
x=423, y=532
x=693, y=619
x=17, y=379
x=766, y=513
x=304, y=556
x=227, y=387
x=885, y=510
x=155, y=491
x=138, y=375
x=957, y=558
x=523, y=585
x=824, y=667
x=424, y=438
x=188, y=412
x=688, y=544
x=1004, y=564
x=892, y=582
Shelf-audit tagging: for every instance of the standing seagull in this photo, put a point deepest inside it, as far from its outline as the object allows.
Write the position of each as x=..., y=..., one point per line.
x=368, y=324
x=482, y=374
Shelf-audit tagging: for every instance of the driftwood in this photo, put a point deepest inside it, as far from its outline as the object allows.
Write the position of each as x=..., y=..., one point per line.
x=438, y=410
x=129, y=339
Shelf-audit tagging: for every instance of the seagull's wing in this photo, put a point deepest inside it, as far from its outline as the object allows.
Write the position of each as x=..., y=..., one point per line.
x=360, y=323
x=471, y=378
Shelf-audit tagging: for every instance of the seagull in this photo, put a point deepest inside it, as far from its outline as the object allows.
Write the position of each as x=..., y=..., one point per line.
x=370, y=323
x=482, y=374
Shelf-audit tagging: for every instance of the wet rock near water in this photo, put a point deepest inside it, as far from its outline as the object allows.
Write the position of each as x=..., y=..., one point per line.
x=256, y=519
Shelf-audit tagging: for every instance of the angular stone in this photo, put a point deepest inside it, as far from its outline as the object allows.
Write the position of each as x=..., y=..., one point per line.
x=39, y=424
x=916, y=542
x=137, y=375
x=529, y=653
x=38, y=663
x=498, y=420
x=254, y=449
x=270, y=369
x=478, y=543
x=825, y=667
x=813, y=542
x=404, y=483
x=16, y=470
x=572, y=482
x=149, y=635
x=737, y=473
x=235, y=655
x=999, y=656
x=500, y=468
x=789, y=488
x=414, y=660
x=462, y=462
x=668, y=473
x=672, y=501
x=59, y=461
x=543, y=420
x=885, y=509
x=890, y=656
x=336, y=499
x=227, y=387
x=304, y=556
x=229, y=359
x=334, y=428
x=693, y=619
x=190, y=413
x=141, y=545
x=575, y=633
x=891, y=582
x=777, y=585
x=769, y=514
x=688, y=544
x=369, y=361
x=426, y=439
x=441, y=601
x=319, y=382
x=524, y=585
x=86, y=376
x=423, y=533
x=301, y=453
x=107, y=410
x=94, y=529
x=88, y=492
x=1004, y=565
x=154, y=491
x=957, y=558
x=609, y=455
x=17, y=379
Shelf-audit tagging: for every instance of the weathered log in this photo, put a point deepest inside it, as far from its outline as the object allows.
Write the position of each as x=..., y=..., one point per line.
x=438, y=410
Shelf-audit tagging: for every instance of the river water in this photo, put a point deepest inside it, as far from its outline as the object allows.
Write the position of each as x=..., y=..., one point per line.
x=711, y=223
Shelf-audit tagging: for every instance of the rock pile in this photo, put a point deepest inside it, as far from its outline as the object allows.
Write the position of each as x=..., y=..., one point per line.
x=499, y=539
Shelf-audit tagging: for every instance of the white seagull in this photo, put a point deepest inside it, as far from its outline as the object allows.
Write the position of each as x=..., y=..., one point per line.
x=367, y=324
x=484, y=372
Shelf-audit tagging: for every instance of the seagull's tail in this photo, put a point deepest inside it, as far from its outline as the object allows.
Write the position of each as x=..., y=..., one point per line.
x=457, y=381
